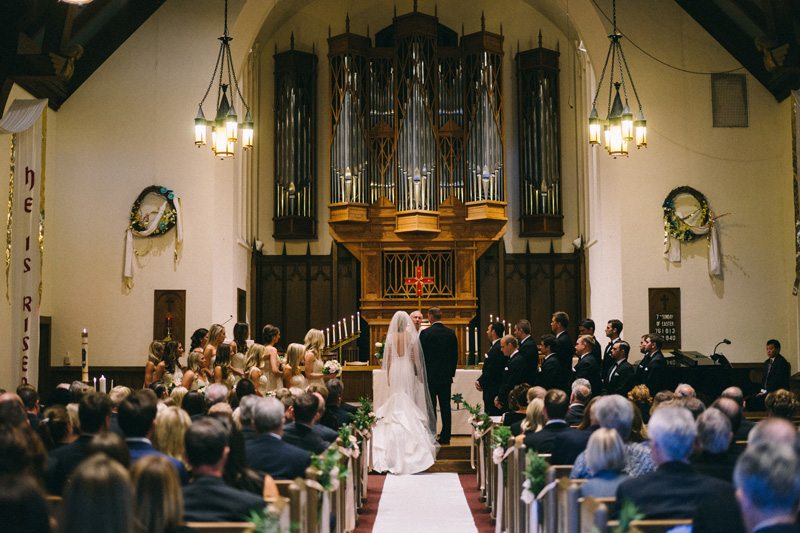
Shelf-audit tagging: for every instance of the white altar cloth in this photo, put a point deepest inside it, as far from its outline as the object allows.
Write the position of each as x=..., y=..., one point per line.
x=464, y=382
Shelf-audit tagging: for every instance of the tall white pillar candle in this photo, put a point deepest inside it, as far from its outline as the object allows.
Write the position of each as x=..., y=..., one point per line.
x=85, y=356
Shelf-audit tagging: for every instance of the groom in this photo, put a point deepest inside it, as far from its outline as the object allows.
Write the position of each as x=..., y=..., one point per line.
x=440, y=346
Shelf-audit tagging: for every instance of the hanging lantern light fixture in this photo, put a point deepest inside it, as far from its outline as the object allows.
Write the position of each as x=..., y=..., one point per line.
x=225, y=127
x=619, y=128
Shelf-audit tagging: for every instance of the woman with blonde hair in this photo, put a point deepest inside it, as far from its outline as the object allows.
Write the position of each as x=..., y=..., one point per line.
x=157, y=496
x=153, y=369
x=177, y=395
x=270, y=363
x=216, y=336
x=254, y=361
x=315, y=342
x=170, y=427
x=292, y=377
x=605, y=457
x=197, y=376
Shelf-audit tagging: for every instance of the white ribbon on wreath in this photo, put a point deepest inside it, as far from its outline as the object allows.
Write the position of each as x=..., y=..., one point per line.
x=672, y=246
x=130, y=233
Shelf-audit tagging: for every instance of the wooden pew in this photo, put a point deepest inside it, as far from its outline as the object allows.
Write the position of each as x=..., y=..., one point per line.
x=222, y=527
x=594, y=514
x=653, y=526
x=568, y=491
x=550, y=503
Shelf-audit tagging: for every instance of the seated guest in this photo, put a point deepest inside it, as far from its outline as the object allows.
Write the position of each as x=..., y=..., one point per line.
x=98, y=498
x=216, y=393
x=605, y=457
x=55, y=429
x=534, y=419
x=734, y=413
x=638, y=428
x=640, y=396
x=536, y=392
x=194, y=404
x=557, y=438
x=94, y=414
x=581, y=393
x=694, y=405
x=675, y=488
x=267, y=452
x=157, y=497
x=736, y=394
x=335, y=416
x=300, y=432
x=767, y=478
x=137, y=415
x=177, y=395
x=237, y=474
x=22, y=505
x=243, y=416
x=321, y=392
x=517, y=405
x=30, y=399
x=208, y=498
x=116, y=395
x=684, y=390
x=620, y=376
x=589, y=422
x=781, y=403
x=615, y=412
x=712, y=456
x=21, y=452
x=170, y=427
x=773, y=430
x=112, y=445
x=660, y=397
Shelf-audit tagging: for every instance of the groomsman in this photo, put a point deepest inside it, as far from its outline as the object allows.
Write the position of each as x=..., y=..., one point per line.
x=564, y=348
x=586, y=327
x=651, y=368
x=613, y=332
x=440, y=346
x=551, y=373
x=494, y=364
x=620, y=377
x=527, y=348
x=515, y=372
x=587, y=366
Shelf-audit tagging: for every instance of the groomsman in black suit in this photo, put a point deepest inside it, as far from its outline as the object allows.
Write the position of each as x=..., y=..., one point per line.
x=440, y=346
x=516, y=371
x=587, y=366
x=620, y=377
x=651, y=368
x=565, y=348
x=528, y=350
x=613, y=332
x=494, y=363
x=586, y=327
x=551, y=373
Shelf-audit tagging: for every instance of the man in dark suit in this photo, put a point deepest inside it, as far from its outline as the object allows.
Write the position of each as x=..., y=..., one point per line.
x=621, y=376
x=551, y=373
x=581, y=394
x=528, y=350
x=587, y=366
x=775, y=375
x=94, y=412
x=768, y=495
x=268, y=452
x=613, y=332
x=440, y=347
x=208, y=498
x=335, y=416
x=564, y=348
x=514, y=373
x=557, y=437
x=651, y=368
x=300, y=432
x=735, y=394
x=137, y=417
x=494, y=363
x=675, y=489
x=586, y=327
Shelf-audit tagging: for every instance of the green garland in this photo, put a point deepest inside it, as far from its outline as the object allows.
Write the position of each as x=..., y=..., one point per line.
x=168, y=219
x=535, y=468
x=673, y=225
x=500, y=436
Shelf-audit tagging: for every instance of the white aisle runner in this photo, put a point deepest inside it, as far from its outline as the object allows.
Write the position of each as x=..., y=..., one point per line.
x=423, y=502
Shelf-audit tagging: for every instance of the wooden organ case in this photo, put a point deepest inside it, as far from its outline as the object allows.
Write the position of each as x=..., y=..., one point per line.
x=417, y=174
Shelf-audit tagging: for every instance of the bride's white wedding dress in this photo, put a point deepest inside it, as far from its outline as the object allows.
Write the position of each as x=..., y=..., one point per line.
x=403, y=441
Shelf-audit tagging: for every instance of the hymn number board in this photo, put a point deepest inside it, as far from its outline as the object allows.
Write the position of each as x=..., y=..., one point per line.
x=664, y=311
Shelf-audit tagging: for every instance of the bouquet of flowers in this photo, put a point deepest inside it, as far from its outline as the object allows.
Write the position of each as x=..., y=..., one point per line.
x=331, y=368
x=379, y=351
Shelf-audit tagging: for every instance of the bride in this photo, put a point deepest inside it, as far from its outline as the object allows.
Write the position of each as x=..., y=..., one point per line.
x=404, y=436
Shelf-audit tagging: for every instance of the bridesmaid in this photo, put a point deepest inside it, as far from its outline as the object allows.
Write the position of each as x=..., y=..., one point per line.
x=198, y=376
x=253, y=358
x=154, y=368
x=271, y=364
x=216, y=336
x=199, y=340
x=315, y=342
x=173, y=374
x=223, y=373
x=292, y=377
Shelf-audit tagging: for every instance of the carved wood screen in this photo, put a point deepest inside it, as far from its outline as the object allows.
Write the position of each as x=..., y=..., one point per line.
x=418, y=117
x=401, y=266
x=539, y=144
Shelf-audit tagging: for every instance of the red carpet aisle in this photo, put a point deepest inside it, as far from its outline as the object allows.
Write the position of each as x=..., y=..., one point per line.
x=366, y=518
x=423, y=503
x=480, y=513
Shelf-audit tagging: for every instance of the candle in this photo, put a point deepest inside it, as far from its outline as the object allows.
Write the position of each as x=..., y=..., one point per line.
x=327, y=336
x=112, y=384
x=491, y=319
x=102, y=383
x=353, y=324
x=340, y=329
x=94, y=380
x=333, y=329
x=85, y=356
x=358, y=320
x=344, y=321
x=476, y=341
x=466, y=338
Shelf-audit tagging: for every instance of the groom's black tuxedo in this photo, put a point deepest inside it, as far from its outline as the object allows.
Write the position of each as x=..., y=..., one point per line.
x=493, y=367
x=440, y=349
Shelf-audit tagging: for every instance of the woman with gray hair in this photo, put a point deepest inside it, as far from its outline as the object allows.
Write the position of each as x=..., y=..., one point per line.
x=616, y=412
x=605, y=457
